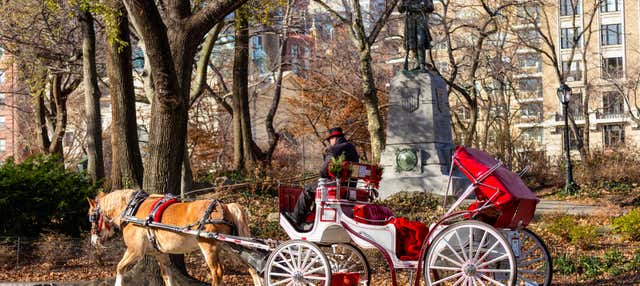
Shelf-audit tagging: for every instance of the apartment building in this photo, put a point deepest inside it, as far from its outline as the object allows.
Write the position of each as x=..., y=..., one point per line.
x=14, y=110
x=601, y=68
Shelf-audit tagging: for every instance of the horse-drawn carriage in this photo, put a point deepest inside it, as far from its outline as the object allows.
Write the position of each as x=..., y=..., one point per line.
x=485, y=243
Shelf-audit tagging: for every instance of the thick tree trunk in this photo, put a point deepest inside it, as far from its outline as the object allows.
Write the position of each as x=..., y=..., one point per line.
x=170, y=51
x=241, y=114
x=470, y=130
x=126, y=164
x=91, y=98
x=374, y=118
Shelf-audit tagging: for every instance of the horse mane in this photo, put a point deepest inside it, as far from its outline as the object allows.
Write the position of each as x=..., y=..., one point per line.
x=114, y=203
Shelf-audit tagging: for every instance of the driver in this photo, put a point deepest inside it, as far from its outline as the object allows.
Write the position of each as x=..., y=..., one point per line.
x=338, y=145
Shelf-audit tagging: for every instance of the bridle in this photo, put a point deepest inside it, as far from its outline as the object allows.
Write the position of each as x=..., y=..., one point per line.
x=98, y=219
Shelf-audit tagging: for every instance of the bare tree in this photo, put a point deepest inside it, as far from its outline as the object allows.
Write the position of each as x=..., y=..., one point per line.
x=363, y=38
x=95, y=166
x=127, y=169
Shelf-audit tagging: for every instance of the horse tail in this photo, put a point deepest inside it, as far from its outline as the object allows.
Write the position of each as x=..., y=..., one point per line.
x=239, y=217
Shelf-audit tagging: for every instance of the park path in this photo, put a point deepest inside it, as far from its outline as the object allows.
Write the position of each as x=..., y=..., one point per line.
x=571, y=208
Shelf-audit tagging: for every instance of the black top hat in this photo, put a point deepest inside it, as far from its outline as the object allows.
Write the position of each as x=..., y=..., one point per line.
x=335, y=132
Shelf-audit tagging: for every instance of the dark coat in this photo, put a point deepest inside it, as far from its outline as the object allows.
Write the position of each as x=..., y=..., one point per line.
x=342, y=146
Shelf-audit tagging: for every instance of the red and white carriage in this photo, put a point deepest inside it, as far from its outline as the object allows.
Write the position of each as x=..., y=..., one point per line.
x=485, y=244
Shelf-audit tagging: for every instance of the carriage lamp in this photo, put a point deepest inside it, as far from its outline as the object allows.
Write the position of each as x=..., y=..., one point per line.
x=406, y=159
x=564, y=95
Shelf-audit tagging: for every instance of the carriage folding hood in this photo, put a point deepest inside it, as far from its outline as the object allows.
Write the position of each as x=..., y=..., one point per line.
x=494, y=182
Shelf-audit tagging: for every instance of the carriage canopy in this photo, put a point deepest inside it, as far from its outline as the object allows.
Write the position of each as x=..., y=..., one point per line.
x=513, y=203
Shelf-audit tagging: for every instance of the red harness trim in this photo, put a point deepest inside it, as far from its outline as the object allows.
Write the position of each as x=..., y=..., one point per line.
x=159, y=206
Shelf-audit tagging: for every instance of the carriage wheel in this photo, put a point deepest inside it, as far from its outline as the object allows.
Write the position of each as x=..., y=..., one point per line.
x=297, y=262
x=470, y=253
x=346, y=258
x=534, y=259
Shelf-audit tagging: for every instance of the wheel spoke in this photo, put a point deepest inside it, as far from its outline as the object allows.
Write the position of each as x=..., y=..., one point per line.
x=484, y=236
x=494, y=270
x=315, y=259
x=529, y=251
x=450, y=260
x=279, y=265
x=499, y=258
x=462, y=279
x=445, y=268
x=461, y=246
x=314, y=270
x=454, y=252
x=531, y=271
x=286, y=261
x=491, y=280
x=454, y=276
x=288, y=280
x=530, y=262
x=489, y=251
x=303, y=262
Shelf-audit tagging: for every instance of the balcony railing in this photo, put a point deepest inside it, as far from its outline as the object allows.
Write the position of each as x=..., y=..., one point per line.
x=611, y=114
x=560, y=117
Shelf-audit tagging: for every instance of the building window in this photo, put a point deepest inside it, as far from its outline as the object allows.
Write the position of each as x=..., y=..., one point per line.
x=528, y=13
x=572, y=70
x=531, y=85
x=3, y=77
x=575, y=106
x=567, y=35
x=612, y=67
x=529, y=60
x=611, y=34
x=569, y=7
x=612, y=103
x=3, y=122
x=531, y=109
x=3, y=145
x=613, y=135
x=533, y=134
x=3, y=97
x=610, y=6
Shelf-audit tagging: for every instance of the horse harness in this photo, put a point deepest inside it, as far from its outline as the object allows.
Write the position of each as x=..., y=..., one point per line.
x=155, y=215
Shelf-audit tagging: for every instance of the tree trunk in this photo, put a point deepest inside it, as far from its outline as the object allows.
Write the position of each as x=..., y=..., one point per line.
x=91, y=98
x=60, y=103
x=374, y=118
x=126, y=164
x=41, y=124
x=170, y=51
x=470, y=130
x=584, y=151
x=241, y=114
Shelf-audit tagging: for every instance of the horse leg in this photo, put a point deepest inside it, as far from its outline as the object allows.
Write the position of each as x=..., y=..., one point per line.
x=165, y=263
x=130, y=256
x=210, y=252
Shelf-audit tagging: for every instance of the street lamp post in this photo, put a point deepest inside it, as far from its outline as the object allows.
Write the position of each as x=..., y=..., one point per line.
x=564, y=95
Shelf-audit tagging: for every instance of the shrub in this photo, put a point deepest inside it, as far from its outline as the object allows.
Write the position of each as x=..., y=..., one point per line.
x=605, y=165
x=628, y=224
x=591, y=266
x=569, y=230
x=564, y=265
x=40, y=194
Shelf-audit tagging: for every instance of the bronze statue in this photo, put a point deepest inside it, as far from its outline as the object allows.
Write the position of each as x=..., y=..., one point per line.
x=416, y=30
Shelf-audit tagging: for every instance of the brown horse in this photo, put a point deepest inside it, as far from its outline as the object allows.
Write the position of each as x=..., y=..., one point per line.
x=106, y=211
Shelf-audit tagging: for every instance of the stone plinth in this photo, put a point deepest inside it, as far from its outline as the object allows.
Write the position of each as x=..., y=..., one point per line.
x=418, y=124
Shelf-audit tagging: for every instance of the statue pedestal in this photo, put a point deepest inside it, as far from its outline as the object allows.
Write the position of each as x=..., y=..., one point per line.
x=417, y=155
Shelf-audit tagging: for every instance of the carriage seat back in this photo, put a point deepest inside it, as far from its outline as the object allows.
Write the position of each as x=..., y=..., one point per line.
x=372, y=214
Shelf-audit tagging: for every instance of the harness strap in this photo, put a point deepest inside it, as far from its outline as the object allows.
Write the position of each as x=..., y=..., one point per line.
x=206, y=218
x=133, y=205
